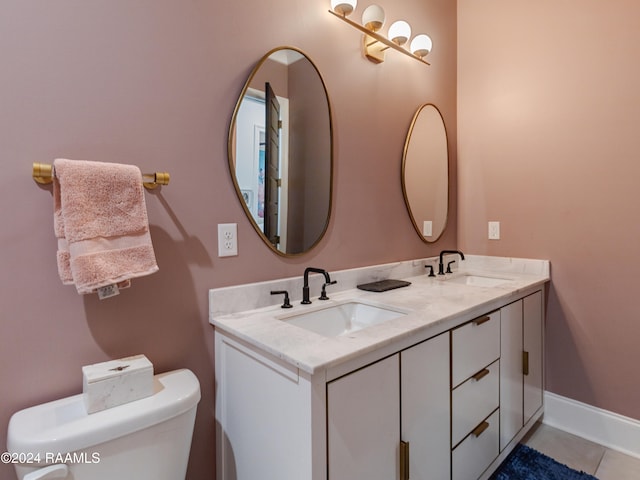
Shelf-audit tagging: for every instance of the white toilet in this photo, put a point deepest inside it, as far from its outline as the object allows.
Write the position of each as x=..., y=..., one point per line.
x=147, y=439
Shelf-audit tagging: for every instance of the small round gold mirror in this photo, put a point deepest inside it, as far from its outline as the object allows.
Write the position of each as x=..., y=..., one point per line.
x=425, y=173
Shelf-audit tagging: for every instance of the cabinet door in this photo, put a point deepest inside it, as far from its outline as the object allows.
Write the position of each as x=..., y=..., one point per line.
x=533, y=350
x=363, y=416
x=426, y=408
x=510, y=372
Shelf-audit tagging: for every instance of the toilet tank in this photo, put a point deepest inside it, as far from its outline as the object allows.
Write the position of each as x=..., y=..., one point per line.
x=148, y=439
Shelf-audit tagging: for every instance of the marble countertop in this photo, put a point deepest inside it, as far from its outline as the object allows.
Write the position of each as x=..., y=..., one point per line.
x=432, y=305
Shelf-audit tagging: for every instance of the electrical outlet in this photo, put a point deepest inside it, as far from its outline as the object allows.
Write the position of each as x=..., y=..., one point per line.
x=227, y=239
x=494, y=230
x=427, y=228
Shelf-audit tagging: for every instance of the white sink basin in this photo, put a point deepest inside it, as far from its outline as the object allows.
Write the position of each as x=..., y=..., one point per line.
x=341, y=319
x=479, y=280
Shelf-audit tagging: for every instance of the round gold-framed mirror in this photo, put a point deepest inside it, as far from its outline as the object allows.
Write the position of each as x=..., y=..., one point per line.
x=280, y=150
x=425, y=173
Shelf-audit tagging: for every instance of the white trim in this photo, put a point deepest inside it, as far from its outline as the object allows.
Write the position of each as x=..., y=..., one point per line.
x=601, y=426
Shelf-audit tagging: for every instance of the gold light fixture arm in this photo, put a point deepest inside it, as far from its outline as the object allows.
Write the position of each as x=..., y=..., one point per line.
x=43, y=174
x=373, y=51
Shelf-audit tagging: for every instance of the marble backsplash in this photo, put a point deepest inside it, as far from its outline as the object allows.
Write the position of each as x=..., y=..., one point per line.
x=240, y=298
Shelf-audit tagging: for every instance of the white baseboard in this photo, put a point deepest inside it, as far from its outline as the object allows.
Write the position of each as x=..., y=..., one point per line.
x=601, y=426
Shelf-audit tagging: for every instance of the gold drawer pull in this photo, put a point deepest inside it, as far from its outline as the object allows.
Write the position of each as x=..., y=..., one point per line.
x=480, y=428
x=481, y=320
x=481, y=374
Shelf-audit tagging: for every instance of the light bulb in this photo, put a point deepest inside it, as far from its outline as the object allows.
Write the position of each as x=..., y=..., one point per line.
x=421, y=45
x=399, y=32
x=343, y=7
x=373, y=17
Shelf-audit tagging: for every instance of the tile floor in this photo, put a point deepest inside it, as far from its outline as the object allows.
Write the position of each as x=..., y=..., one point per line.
x=581, y=454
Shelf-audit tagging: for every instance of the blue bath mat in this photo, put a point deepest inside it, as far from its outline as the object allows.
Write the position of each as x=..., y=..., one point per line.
x=525, y=463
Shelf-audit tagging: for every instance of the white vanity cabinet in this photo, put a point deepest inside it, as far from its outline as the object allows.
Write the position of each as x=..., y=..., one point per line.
x=521, y=386
x=445, y=406
x=426, y=408
x=475, y=399
x=497, y=384
x=390, y=420
x=269, y=416
x=532, y=337
x=363, y=415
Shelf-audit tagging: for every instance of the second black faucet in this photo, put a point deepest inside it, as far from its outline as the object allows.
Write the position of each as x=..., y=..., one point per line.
x=305, y=287
x=441, y=264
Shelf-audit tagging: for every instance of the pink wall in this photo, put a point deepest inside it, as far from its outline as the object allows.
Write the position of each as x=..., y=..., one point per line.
x=154, y=83
x=548, y=140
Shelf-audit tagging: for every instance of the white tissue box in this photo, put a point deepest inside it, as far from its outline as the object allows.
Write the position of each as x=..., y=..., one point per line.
x=109, y=384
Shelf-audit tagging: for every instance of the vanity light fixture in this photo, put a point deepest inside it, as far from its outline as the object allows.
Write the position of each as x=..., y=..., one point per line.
x=399, y=32
x=373, y=18
x=375, y=44
x=421, y=45
x=343, y=7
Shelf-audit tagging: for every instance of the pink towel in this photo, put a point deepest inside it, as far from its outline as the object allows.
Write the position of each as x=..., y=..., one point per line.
x=100, y=220
x=64, y=258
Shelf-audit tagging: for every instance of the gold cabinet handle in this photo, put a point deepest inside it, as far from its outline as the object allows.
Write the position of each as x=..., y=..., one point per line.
x=404, y=460
x=481, y=320
x=525, y=363
x=480, y=429
x=481, y=374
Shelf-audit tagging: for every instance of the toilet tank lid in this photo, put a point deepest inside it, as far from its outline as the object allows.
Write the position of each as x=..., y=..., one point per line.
x=64, y=426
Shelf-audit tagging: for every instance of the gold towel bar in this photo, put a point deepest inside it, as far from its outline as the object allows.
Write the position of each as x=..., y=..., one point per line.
x=43, y=173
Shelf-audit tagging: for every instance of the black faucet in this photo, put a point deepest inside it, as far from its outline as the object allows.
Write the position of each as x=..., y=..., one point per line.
x=286, y=303
x=430, y=267
x=441, y=264
x=305, y=288
x=323, y=293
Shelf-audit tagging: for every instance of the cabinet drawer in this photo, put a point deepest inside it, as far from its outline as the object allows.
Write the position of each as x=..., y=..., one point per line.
x=474, y=346
x=474, y=400
x=477, y=451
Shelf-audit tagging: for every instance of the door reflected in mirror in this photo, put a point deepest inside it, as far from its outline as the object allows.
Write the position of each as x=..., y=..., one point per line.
x=280, y=151
x=425, y=173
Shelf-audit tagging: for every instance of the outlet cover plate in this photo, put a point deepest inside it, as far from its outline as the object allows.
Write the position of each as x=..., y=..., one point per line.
x=427, y=228
x=227, y=239
x=494, y=230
